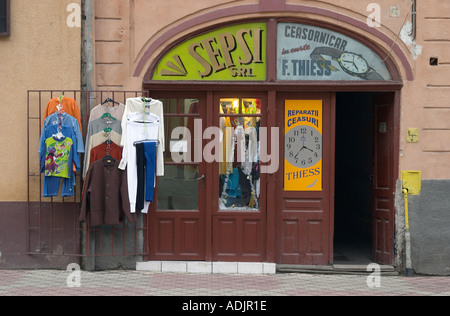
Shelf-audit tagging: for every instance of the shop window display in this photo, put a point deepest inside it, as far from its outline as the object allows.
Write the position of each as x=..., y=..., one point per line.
x=239, y=186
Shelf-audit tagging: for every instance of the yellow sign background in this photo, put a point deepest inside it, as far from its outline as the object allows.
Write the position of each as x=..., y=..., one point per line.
x=310, y=182
x=233, y=53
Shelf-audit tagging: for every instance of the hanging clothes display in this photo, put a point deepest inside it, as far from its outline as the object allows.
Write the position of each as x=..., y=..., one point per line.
x=115, y=109
x=105, y=128
x=69, y=106
x=105, y=193
x=146, y=170
x=68, y=120
x=99, y=152
x=139, y=128
x=105, y=197
x=124, y=153
x=141, y=105
x=60, y=143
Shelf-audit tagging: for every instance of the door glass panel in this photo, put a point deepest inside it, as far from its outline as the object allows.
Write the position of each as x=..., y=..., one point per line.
x=179, y=133
x=170, y=106
x=180, y=106
x=239, y=167
x=178, y=189
x=189, y=106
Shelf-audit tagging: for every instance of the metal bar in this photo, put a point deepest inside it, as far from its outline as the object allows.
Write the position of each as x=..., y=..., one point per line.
x=28, y=174
x=62, y=228
x=51, y=225
x=40, y=178
x=112, y=239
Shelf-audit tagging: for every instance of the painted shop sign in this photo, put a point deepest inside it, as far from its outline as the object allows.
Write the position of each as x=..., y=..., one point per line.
x=311, y=53
x=228, y=54
x=303, y=146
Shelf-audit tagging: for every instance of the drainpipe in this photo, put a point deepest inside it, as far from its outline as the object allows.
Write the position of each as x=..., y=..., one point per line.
x=414, y=20
x=88, y=45
x=408, y=269
x=88, y=84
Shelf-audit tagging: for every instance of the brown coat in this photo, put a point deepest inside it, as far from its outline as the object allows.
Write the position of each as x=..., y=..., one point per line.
x=105, y=196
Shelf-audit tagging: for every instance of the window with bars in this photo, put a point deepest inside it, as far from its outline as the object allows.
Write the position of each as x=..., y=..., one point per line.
x=4, y=18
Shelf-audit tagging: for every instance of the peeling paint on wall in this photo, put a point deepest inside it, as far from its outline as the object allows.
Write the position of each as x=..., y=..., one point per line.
x=405, y=35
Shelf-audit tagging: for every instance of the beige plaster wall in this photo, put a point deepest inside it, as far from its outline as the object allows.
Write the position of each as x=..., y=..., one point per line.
x=126, y=28
x=41, y=53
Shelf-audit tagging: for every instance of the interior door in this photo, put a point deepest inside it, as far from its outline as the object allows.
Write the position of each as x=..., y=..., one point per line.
x=304, y=214
x=176, y=220
x=383, y=182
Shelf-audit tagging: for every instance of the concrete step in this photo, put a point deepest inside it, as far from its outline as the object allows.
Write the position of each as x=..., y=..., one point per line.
x=335, y=269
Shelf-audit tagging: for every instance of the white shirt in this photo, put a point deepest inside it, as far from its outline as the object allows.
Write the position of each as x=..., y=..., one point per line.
x=136, y=105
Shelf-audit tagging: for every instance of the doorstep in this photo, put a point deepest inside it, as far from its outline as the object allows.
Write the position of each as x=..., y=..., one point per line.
x=207, y=267
x=337, y=269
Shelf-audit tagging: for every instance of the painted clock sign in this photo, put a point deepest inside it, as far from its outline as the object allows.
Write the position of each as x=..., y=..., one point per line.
x=303, y=145
x=311, y=53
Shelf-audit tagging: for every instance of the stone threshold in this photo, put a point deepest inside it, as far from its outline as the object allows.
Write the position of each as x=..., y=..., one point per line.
x=207, y=267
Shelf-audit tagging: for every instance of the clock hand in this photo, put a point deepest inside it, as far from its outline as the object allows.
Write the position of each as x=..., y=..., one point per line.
x=299, y=151
x=354, y=63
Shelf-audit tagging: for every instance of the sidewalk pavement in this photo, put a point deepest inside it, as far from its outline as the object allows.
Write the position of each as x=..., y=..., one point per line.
x=138, y=283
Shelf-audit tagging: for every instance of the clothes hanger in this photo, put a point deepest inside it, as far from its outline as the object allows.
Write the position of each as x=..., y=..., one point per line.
x=147, y=102
x=146, y=117
x=146, y=141
x=59, y=107
x=109, y=100
x=108, y=160
x=59, y=134
x=108, y=116
x=144, y=99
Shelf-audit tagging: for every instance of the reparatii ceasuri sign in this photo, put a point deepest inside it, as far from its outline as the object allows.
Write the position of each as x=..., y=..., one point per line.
x=233, y=53
x=307, y=52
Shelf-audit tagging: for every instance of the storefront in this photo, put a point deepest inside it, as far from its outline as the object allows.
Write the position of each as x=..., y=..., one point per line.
x=290, y=128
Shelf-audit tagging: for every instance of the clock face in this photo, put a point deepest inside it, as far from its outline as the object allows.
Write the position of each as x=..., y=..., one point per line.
x=354, y=63
x=303, y=146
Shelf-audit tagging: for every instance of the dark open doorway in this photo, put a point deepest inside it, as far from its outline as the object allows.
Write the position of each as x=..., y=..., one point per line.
x=353, y=179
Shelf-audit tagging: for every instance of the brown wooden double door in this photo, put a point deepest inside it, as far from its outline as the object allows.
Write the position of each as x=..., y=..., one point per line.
x=210, y=204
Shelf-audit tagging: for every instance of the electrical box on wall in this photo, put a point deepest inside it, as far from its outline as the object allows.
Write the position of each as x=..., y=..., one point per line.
x=412, y=181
